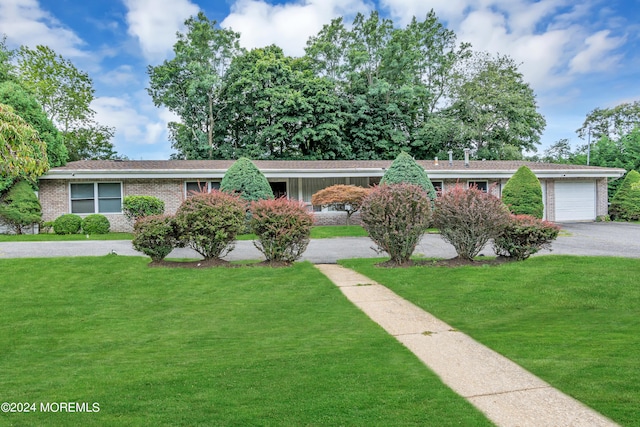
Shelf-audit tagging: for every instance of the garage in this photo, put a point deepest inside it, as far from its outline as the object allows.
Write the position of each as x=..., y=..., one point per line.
x=575, y=200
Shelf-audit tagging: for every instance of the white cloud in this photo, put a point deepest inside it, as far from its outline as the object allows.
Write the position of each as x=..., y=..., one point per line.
x=119, y=77
x=131, y=125
x=287, y=25
x=596, y=56
x=155, y=25
x=26, y=23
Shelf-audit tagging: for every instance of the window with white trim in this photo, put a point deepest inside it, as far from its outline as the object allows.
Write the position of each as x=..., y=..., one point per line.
x=480, y=185
x=197, y=186
x=96, y=197
x=438, y=186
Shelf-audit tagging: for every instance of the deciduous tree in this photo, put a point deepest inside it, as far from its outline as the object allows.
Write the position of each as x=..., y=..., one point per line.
x=347, y=198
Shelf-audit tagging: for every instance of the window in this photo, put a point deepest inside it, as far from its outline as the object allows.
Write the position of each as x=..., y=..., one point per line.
x=84, y=200
x=198, y=186
x=279, y=189
x=480, y=185
x=438, y=185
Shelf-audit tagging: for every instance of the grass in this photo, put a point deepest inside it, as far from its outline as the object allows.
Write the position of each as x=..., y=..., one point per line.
x=318, y=232
x=244, y=346
x=51, y=237
x=573, y=321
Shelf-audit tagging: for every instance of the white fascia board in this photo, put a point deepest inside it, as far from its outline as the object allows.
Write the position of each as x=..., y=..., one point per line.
x=322, y=173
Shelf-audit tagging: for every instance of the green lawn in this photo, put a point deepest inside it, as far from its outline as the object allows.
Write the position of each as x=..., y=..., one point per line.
x=241, y=346
x=573, y=321
x=318, y=232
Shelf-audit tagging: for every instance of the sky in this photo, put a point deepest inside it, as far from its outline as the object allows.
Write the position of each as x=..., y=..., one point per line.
x=576, y=56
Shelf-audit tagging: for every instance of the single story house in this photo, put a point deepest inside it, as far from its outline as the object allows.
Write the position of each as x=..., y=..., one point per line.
x=570, y=192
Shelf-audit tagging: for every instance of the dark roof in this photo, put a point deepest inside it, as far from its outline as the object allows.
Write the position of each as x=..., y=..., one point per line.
x=429, y=165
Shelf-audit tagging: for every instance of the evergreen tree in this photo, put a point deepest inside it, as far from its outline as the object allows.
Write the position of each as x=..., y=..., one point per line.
x=20, y=207
x=244, y=178
x=405, y=169
x=625, y=205
x=523, y=194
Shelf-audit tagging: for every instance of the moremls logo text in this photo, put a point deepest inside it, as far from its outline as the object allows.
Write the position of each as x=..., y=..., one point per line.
x=69, y=407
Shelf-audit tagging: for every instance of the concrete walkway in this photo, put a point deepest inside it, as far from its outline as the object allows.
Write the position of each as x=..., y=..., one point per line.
x=506, y=393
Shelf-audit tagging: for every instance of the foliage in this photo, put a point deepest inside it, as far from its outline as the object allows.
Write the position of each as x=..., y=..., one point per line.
x=405, y=169
x=282, y=228
x=625, y=205
x=67, y=224
x=209, y=222
x=396, y=216
x=341, y=197
x=467, y=218
x=497, y=109
x=26, y=106
x=22, y=152
x=65, y=93
x=155, y=236
x=523, y=194
x=523, y=236
x=612, y=123
x=245, y=179
x=20, y=207
x=95, y=224
x=136, y=207
x=188, y=85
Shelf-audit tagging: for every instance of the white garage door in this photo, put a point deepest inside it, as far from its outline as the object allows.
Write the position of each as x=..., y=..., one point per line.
x=575, y=200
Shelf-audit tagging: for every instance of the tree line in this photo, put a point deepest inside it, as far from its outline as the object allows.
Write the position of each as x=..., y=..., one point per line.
x=367, y=90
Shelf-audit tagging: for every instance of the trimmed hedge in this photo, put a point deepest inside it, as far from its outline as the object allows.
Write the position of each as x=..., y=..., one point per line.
x=523, y=194
x=245, y=179
x=282, y=228
x=136, y=207
x=468, y=218
x=625, y=205
x=396, y=216
x=209, y=222
x=404, y=169
x=95, y=224
x=523, y=236
x=155, y=236
x=67, y=224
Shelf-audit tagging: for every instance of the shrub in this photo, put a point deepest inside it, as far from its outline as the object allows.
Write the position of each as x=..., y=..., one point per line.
x=523, y=194
x=95, y=224
x=282, y=228
x=346, y=198
x=45, y=227
x=136, y=207
x=396, y=216
x=245, y=179
x=468, y=218
x=20, y=207
x=523, y=236
x=625, y=205
x=209, y=222
x=67, y=224
x=405, y=170
x=155, y=236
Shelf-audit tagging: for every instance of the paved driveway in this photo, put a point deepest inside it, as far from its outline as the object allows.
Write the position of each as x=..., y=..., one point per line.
x=613, y=239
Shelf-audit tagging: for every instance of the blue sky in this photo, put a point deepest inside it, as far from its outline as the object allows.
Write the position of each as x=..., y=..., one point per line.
x=577, y=56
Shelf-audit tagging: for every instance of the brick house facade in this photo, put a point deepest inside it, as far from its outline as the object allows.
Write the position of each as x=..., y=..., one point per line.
x=570, y=192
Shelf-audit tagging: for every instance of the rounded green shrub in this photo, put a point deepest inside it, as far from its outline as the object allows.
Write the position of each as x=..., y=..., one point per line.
x=523, y=194
x=468, y=218
x=282, y=228
x=155, y=236
x=625, y=205
x=95, y=224
x=209, y=222
x=245, y=179
x=67, y=224
x=523, y=236
x=136, y=207
x=20, y=207
x=396, y=216
x=404, y=169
